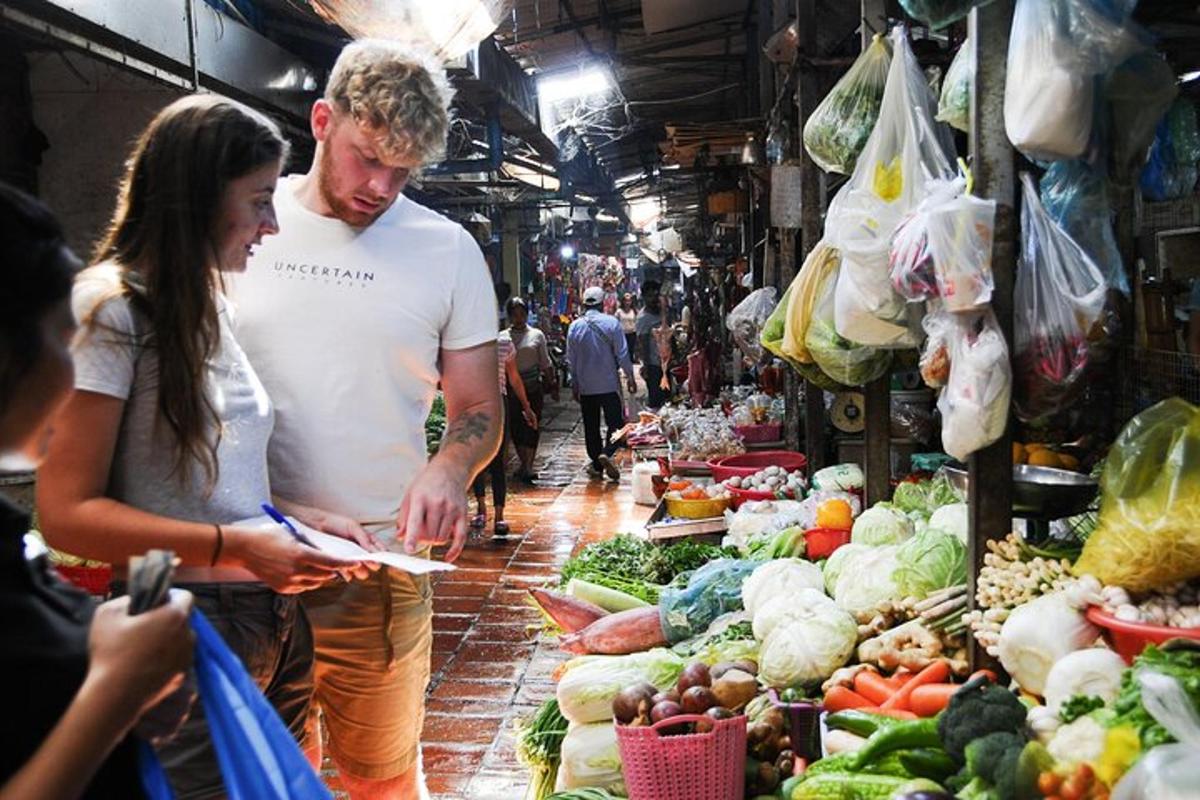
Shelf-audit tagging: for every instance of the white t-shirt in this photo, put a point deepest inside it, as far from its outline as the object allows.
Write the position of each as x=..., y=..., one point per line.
x=344, y=326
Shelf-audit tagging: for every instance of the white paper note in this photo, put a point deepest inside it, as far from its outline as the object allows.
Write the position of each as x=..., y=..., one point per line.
x=344, y=548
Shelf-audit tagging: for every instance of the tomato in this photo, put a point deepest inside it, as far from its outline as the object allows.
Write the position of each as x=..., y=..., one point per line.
x=1048, y=783
x=1073, y=789
x=679, y=486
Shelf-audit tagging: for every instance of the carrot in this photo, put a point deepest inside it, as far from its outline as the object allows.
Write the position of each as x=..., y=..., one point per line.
x=991, y=676
x=930, y=699
x=894, y=713
x=839, y=698
x=873, y=686
x=898, y=679
x=937, y=672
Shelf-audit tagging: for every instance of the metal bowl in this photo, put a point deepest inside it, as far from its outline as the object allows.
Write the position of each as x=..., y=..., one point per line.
x=1040, y=492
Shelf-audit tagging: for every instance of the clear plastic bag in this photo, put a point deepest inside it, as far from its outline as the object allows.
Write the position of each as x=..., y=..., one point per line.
x=1048, y=107
x=747, y=318
x=960, y=233
x=907, y=149
x=1169, y=771
x=1148, y=531
x=1075, y=195
x=712, y=590
x=840, y=125
x=954, y=104
x=1093, y=36
x=1171, y=171
x=821, y=261
x=1139, y=93
x=1058, y=312
x=935, y=355
x=975, y=402
x=843, y=361
x=772, y=339
x=940, y=13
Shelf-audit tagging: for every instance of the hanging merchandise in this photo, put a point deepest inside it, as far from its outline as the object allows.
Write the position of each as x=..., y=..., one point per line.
x=1139, y=93
x=1094, y=36
x=935, y=355
x=1148, y=533
x=1171, y=170
x=1075, y=195
x=1048, y=107
x=1058, y=310
x=975, y=402
x=842, y=360
x=910, y=260
x=819, y=264
x=906, y=150
x=839, y=127
x=745, y=322
x=773, y=332
x=940, y=13
x=954, y=105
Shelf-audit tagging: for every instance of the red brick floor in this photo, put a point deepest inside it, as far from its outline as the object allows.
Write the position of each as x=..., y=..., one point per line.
x=490, y=665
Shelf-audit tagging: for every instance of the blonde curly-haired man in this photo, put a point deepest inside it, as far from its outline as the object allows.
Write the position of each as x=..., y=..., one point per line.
x=352, y=315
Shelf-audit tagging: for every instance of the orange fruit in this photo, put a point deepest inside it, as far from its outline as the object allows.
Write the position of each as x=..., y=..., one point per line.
x=1045, y=458
x=835, y=514
x=1068, y=461
x=1019, y=456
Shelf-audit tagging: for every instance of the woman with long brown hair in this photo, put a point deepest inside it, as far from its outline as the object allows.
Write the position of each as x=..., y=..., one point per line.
x=163, y=443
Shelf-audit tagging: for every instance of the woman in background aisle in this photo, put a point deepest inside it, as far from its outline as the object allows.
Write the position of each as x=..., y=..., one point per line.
x=164, y=442
x=510, y=384
x=537, y=376
x=627, y=315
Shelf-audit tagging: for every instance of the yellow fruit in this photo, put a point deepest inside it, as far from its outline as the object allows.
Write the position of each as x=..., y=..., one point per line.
x=1044, y=458
x=1019, y=454
x=835, y=514
x=1068, y=461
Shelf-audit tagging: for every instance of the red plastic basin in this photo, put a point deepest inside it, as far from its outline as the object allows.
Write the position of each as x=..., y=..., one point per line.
x=1130, y=638
x=821, y=542
x=747, y=464
x=739, y=496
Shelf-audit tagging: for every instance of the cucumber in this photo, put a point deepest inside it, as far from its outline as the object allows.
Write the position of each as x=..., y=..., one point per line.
x=610, y=600
x=842, y=785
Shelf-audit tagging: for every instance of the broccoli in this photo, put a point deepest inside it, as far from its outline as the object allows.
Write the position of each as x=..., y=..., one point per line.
x=977, y=709
x=977, y=789
x=984, y=755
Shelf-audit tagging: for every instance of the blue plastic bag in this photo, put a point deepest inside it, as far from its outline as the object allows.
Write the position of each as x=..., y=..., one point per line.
x=712, y=590
x=1171, y=171
x=1075, y=194
x=259, y=758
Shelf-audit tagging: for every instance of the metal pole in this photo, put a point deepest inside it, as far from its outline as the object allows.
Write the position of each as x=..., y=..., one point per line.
x=992, y=159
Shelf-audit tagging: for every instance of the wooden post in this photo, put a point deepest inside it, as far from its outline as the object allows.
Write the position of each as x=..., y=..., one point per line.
x=992, y=159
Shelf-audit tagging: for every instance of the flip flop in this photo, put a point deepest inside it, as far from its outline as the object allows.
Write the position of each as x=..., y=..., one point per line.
x=500, y=531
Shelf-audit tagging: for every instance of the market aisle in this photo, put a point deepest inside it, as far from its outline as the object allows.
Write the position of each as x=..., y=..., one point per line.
x=488, y=666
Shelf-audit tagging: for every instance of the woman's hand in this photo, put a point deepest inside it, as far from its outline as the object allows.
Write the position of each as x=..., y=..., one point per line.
x=530, y=418
x=281, y=562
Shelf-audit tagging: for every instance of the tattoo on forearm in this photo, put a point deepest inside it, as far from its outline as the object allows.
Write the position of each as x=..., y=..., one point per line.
x=468, y=429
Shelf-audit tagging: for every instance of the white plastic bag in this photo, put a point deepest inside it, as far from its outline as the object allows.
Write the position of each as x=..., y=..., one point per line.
x=1047, y=105
x=954, y=104
x=841, y=124
x=844, y=361
x=960, y=240
x=907, y=149
x=1169, y=771
x=747, y=318
x=910, y=260
x=935, y=355
x=975, y=402
x=1058, y=307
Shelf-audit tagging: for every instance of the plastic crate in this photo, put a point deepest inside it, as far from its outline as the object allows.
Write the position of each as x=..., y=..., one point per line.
x=692, y=766
x=93, y=580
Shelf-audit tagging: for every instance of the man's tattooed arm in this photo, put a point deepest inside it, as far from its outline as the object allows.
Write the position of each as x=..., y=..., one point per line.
x=468, y=429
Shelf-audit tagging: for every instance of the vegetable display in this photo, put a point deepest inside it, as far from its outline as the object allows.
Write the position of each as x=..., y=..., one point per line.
x=539, y=747
x=839, y=127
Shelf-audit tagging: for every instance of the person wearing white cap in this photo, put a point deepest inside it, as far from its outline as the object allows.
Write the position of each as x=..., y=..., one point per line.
x=596, y=355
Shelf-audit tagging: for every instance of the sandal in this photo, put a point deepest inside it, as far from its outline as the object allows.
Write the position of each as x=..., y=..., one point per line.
x=501, y=530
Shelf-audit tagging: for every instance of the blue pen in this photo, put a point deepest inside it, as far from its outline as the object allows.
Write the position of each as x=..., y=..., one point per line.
x=274, y=514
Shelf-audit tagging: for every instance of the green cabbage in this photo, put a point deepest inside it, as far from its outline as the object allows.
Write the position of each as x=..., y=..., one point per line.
x=929, y=561
x=807, y=646
x=954, y=519
x=866, y=579
x=881, y=525
x=837, y=561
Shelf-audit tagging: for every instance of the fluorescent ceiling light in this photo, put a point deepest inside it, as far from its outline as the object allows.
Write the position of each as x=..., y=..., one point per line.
x=1188, y=77
x=583, y=83
x=606, y=218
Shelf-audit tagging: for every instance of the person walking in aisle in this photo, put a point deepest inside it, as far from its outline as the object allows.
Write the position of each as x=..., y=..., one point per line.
x=79, y=677
x=627, y=315
x=648, y=321
x=537, y=377
x=164, y=442
x=353, y=315
x=596, y=355
x=510, y=384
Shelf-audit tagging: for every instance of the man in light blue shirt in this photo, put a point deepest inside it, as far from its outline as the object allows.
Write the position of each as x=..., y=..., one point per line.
x=596, y=355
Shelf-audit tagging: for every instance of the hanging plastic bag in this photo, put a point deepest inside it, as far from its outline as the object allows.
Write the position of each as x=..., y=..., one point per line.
x=960, y=234
x=907, y=149
x=910, y=259
x=1048, y=107
x=1094, y=36
x=746, y=320
x=940, y=13
x=840, y=125
x=821, y=261
x=975, y=403
x=954, y=105
x=844, y=361
x=1169, y=771
x=712, y=590
x=1139, y=93
x=1058, y=310
x=1171, y=171
x=1075, y=195
x=935, y=355
x=771, y=338
x=1148, y=531
x=259, y=757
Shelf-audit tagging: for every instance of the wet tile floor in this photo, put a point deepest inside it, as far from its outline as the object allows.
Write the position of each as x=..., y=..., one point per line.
x=489, y=664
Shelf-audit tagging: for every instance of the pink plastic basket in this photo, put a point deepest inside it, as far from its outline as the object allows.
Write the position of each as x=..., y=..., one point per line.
x=692, y=766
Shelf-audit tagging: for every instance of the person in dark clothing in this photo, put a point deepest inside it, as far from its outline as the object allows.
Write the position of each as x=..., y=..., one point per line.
x=77, y=677
x=648, y=320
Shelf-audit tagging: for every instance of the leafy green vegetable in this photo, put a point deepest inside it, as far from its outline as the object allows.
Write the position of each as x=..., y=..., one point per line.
x=640, y=589
x=640, y=566
x=929, y=561
x=1182, y=664
x=435, y=424
x=539, y=747
x=839, y=127
x=1077, y=706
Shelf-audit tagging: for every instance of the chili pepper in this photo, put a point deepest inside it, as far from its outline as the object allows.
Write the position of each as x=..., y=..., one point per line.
x=901, y=736
x=860, y=723
x=934, y=764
